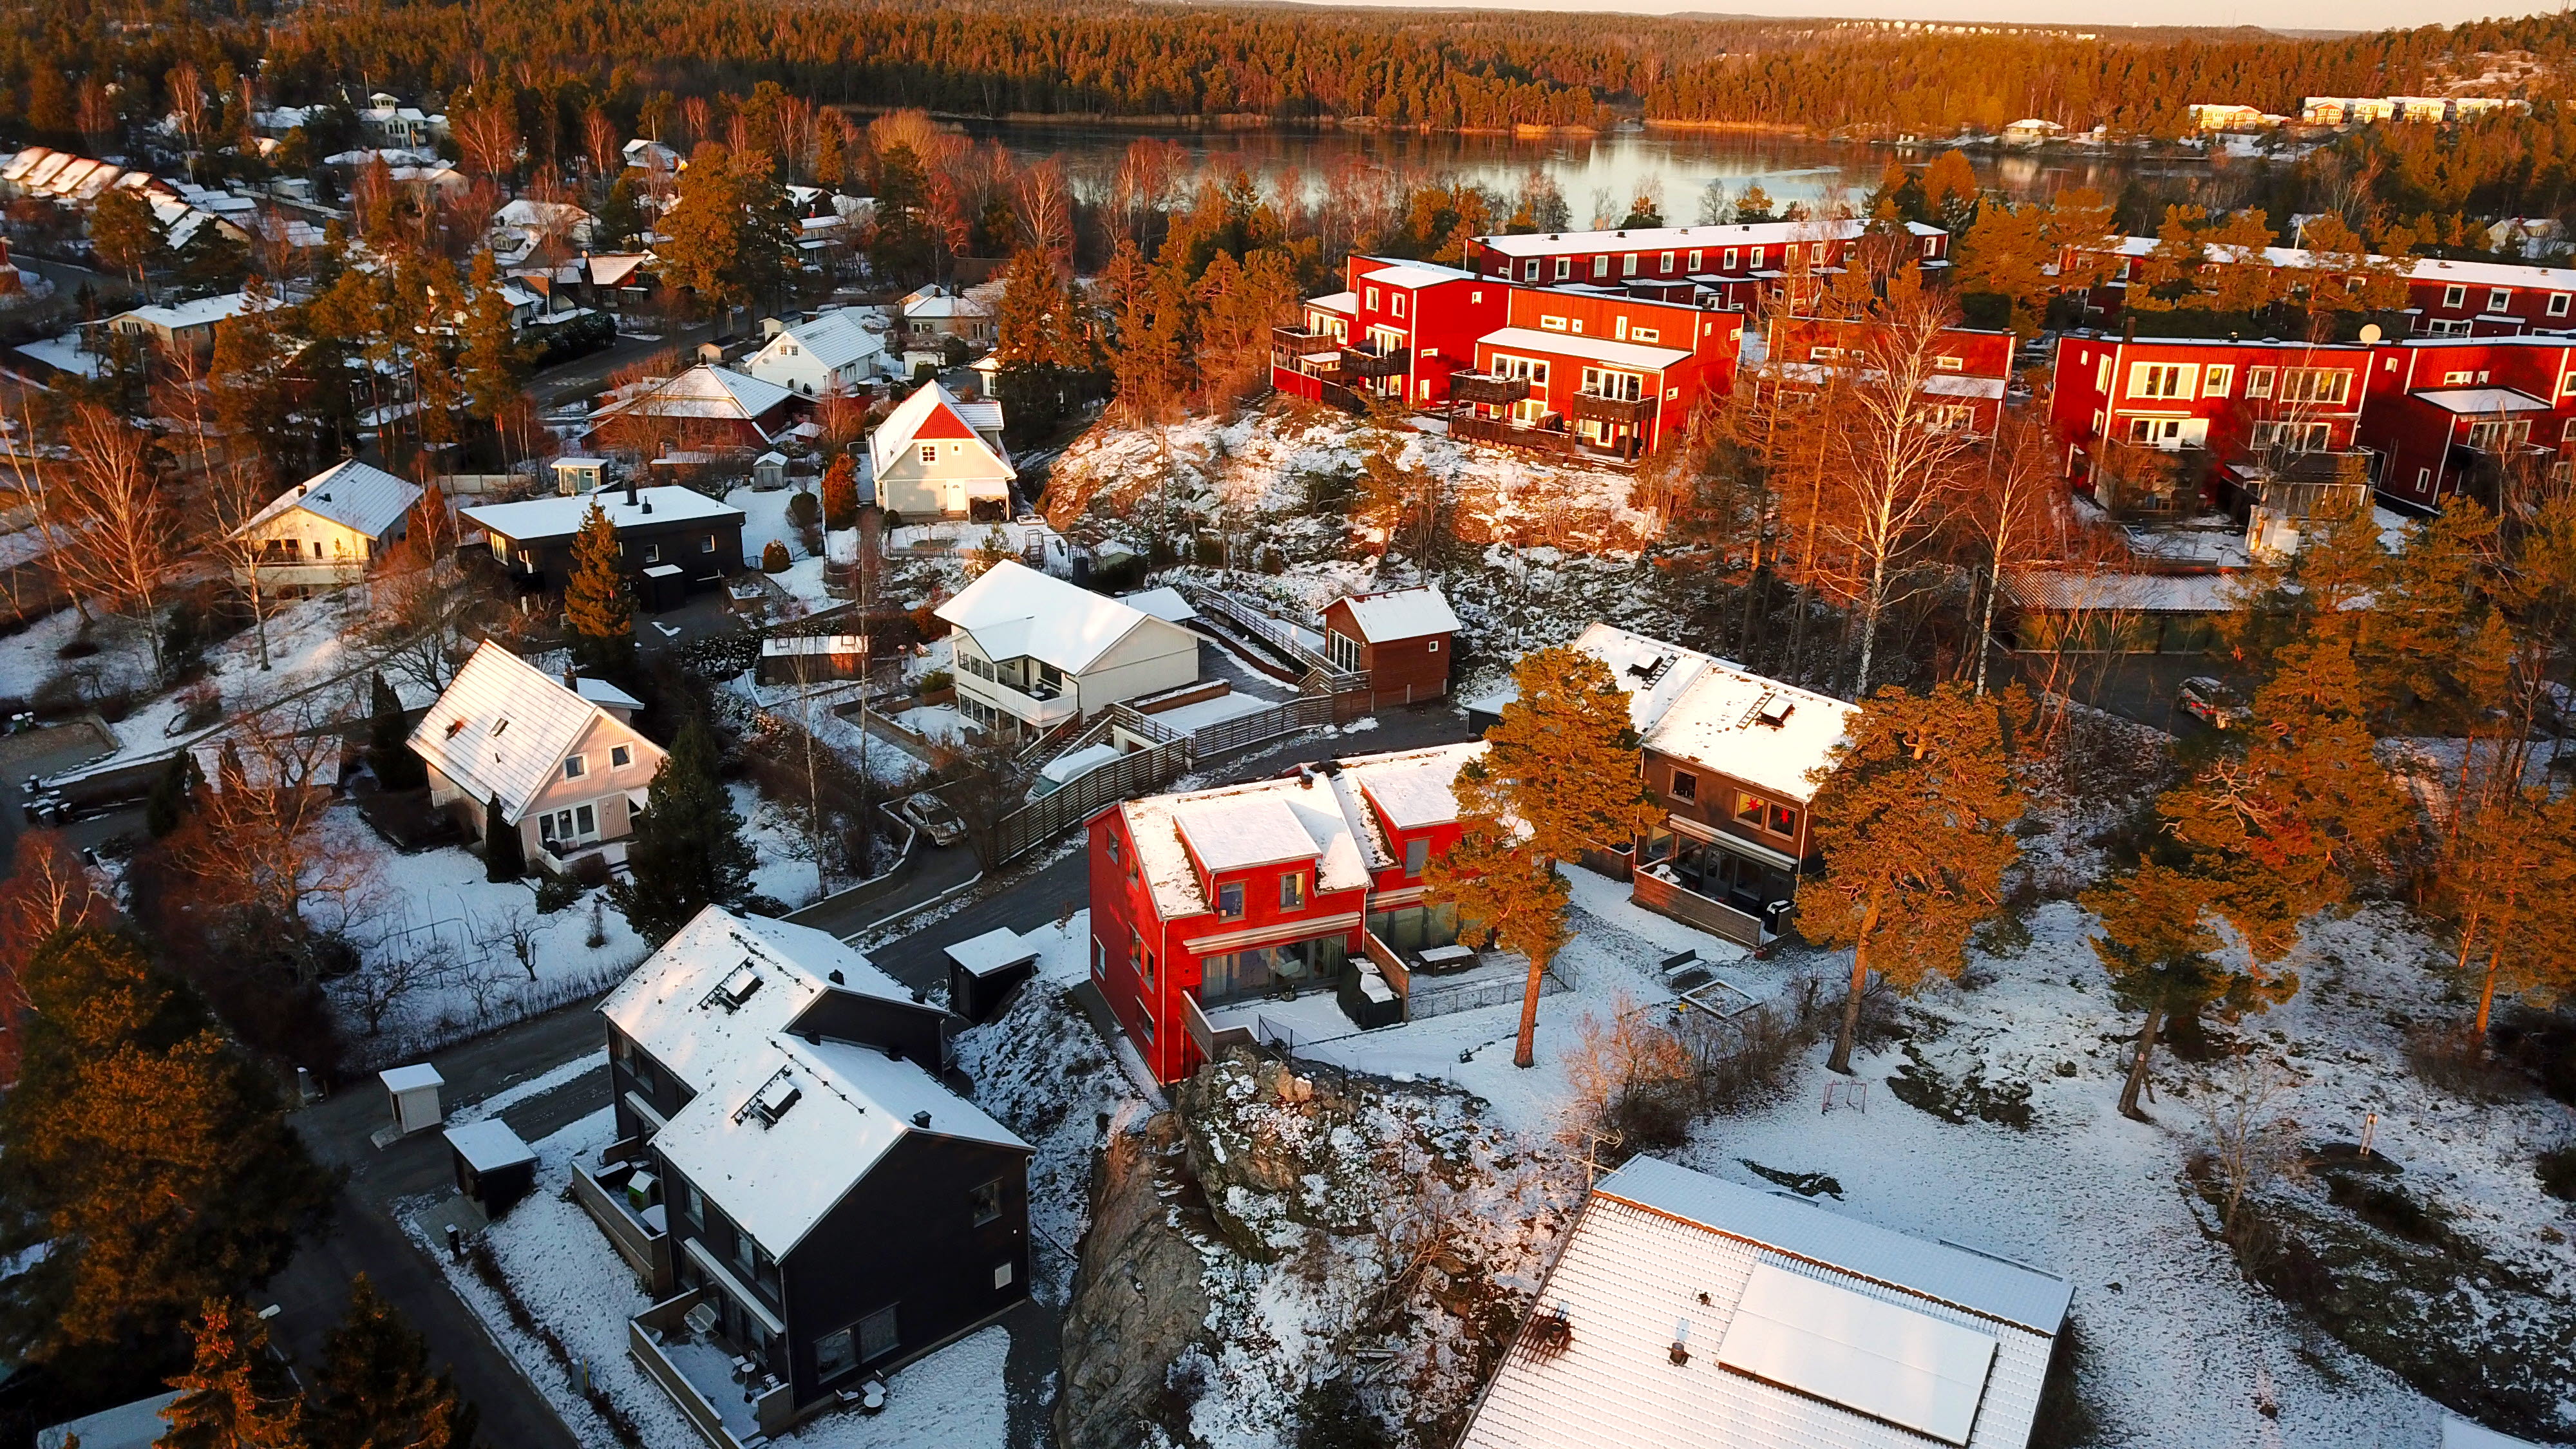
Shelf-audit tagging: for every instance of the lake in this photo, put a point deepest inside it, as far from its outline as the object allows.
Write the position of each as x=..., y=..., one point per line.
x=1595, y=173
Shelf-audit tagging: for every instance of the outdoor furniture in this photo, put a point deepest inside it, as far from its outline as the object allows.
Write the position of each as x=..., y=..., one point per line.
x=1437, y=959
x=413, y=1092
x=493, y=1166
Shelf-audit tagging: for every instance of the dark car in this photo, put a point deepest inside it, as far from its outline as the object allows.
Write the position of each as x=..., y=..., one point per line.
x=2212, y=702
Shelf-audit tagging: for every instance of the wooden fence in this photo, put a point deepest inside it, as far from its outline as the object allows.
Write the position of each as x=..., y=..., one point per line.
x=1085, y=795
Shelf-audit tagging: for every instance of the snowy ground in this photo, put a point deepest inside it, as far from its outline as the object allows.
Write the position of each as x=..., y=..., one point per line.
x=565, y=1273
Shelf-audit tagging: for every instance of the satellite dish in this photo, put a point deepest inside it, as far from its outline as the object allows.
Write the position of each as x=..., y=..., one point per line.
x=2370, y=332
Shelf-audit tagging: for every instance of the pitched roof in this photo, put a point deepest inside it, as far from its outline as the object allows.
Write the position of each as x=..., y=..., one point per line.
x=1401, y=614
x=715, y=1006
x=834, y=339
x=1796, y=1326
x=1015, y=611
x=932, y=412
x=1641, y=239
x=502, y=727
x=354, y=495
x=704, y=391
x=1598, y=349
x=562, y=515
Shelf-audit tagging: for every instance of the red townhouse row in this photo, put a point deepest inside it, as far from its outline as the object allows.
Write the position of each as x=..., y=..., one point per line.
x=1600, y=375
x=1970, y=371
x=2443, y=298
x=1725, y=267
x=1212, y=898
x=2426, y=417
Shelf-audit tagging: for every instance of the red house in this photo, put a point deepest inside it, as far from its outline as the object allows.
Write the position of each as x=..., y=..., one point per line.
x=1309, y=882
x=1974, y=365
x=1726, y=267
x=1398, y=331
x=1401, y=640
x=2450, y=414
x=2443, y=298
x=1605, y=378
x=2151, y=424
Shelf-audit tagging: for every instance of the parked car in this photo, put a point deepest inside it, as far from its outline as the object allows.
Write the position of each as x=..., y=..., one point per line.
x=2213, y=702
x=931, y=815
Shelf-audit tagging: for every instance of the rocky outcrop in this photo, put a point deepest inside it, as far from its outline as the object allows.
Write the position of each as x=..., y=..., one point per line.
x=1138, y=1302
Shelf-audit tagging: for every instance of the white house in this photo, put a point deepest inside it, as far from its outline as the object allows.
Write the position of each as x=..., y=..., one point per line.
x=556, y=754
x=829, y=353
x=938, y=457
x=1034, y=652
x=525, y=225
x=933, y=314
x=1686, y=1310
x=325, y=530
x=189, y=325
x=2032, y=131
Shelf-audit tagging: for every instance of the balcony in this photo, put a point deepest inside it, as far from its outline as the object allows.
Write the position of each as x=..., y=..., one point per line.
x=1538, y=439
x=1658, y=890
x=1626, y=411
x=2134, y=480
x=729, y=1407
x=1042, y=706
x=1359, y=362
x=605, y=1190
x=1484, y=387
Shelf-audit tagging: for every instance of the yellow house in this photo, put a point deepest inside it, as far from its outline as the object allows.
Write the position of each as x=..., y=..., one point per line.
x=324, y=531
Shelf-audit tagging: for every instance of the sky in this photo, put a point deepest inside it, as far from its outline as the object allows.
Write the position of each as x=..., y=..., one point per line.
x=2313, y=15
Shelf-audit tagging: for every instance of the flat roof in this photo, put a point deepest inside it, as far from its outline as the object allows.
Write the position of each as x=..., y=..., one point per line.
x=998, y=949
x=411, y=1078
x=489, y=1145
x=2474, y=400
x=1574, y=344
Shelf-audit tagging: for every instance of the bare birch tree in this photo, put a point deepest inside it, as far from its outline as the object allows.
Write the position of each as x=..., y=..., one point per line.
x=121, y=544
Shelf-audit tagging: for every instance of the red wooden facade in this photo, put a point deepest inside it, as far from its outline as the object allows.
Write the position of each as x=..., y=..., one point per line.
x=1614, y=376
x=2443, y=298
x=1727, y=267
x=1974, y=366
x=1402, y=640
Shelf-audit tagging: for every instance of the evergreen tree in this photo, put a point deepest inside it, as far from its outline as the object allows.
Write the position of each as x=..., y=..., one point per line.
x=901, y=248
x=173, y=790
x=494, y=364
x=596, y=601
x=505, y=858
x=2504, y=879
x=389, y=739
x=375, y=1390
x=235, y=1394
x=688, y=850
x=831, y=159
x=841, y=492
x=2162, y=956
x=1558, y=776
x=2006, y=253
x=728, y=238
x=1913, y=816
x=1950, y=191
x=155, y=1159
x=1753, y=204
x=123, y=232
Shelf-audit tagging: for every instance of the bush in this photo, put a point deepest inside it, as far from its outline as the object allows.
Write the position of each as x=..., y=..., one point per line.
x=804, y=510
x=773, y=557
x=2557, y=1172
x=937, y=680
x=1208, y=551
x=590, y=873
x=1270, y=559
x=554, y=893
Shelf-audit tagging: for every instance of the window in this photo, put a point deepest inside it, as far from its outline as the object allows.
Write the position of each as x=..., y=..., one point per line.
x=652, y=553
x=877, y=1335
x=1135, y=949
x=1417, y=855
x=930, y=452
x=1628, y=265
x=1113, y=848
x=1395, y=302
x=1685, y=785
x=693, y=1206
x=1145, y=969
x=1002, y=1275
x=1345, y=650
x=1601, y=268
x=620, y=756
x=2558, y=304
x=2258, y=382
x=1949, y=364
x=2160, y=379
x=835, y=1353
x=1784, y=821
x=1823, y=354
x=1229, y=901
x=1695, y=261
x=2454, y=295
x=575, y=767
x=2499, y=299
x=2214, y=382
x=1816, y=254
x=1529, y=270
x=2102, y=375
x=1645, y=334
x=1730, y=259
x=1145, y=1020
x=707, y=544
x=2315, y=384
x=1750, y=809
x=984, y=1204
x=1372, y=299
x=1931, y=246
x=1551, y=324
x=2458, y=379
x=1665, y=264
x=1564, y=269
x=2294, y=437
x=2496, y=436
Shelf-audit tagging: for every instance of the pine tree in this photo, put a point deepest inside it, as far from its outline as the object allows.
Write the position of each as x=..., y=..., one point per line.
x=494, y=363
x=156, y=1160
x=123, y=232
x=688, y=850
x=505, y=857
x=1913, y=817
x=375, y=1390
x=235, y=1394
x=2162, y=956
x=2504, y=880
x=831, y=159
x=596, y=603
x=1561, y=767
x=2170, y=276
x=841, y=492
x=389, y=739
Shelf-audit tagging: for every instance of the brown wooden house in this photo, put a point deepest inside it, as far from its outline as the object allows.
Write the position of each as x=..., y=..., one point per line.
x=1401, y=640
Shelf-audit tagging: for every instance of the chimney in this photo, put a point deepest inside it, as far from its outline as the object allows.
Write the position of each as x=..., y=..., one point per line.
x=920, y=1119
x=630, y=490
x=570, y=682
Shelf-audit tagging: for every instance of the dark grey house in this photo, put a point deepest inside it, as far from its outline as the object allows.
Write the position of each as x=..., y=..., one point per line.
x=661, y=527
x=828, y=1208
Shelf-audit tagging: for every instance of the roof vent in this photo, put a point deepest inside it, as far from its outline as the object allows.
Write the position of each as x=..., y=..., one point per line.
x=920, y=1119
x=1774, y=712
x=455, y=725
x=836, y=979
x=1680, y=1352
x=919, y=996
x=1551, y=1333
x=735, y=988
x=773, y=1099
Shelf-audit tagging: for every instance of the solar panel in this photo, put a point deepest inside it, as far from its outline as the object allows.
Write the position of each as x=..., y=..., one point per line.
x=1869, y=1356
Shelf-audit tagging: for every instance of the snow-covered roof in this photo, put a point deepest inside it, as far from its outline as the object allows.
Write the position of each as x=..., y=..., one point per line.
x=1653, y=672
x=601, y=692
x=1943, y=385
x=934, y=414
x=2457, y=1433
x=1569, y=344
x=704, y=391
x=1416, y=274
x=137, y=1425
x=181, y=316
x=1014, y=611
x=502, y=727
x=489, y=1145
x=1795, y=1326
x=1345, y=303
x=2476, y=400
x=939, y=305
x=2071, y=589
x=561, y=516
x=410, y=1078
x=834, y=339
x=1316, y=814
x=1401, y=614
x=357, y=496
x=1165, y=603
x=723, y=984
x=996, y=950
x=791, y=1126
x=1750, y=234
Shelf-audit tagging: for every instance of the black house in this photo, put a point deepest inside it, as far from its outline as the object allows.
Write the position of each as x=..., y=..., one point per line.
x=833, y=1209
x=673, y=526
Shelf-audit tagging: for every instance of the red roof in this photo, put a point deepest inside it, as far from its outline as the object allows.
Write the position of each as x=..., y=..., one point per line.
x=942, y=422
